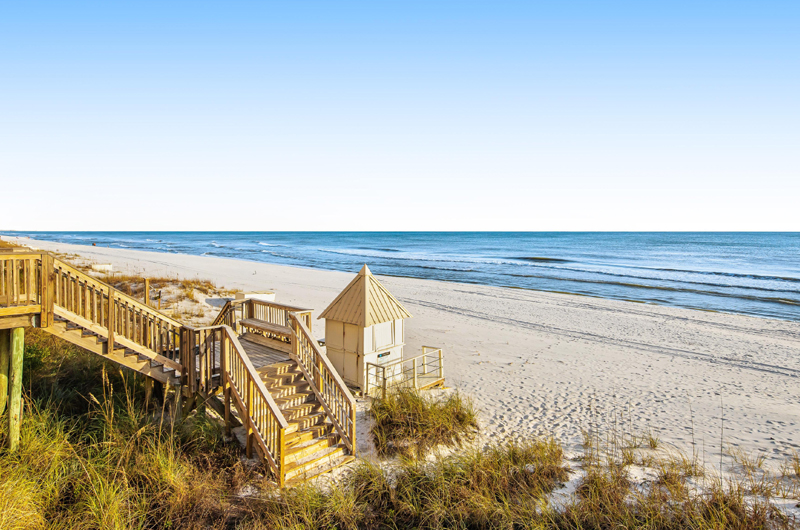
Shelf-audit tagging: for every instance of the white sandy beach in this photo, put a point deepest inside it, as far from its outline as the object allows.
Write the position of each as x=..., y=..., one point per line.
x=546, y=363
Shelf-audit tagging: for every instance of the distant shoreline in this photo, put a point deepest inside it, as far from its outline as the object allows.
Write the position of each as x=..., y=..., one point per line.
x=458, y=281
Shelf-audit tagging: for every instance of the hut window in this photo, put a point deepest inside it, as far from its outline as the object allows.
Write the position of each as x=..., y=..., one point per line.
x=383, y=334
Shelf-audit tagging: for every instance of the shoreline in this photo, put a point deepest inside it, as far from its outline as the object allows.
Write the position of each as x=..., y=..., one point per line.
x=659, y=303
x=543, y=363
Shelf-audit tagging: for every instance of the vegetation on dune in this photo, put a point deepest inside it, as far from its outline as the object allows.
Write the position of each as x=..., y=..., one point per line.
x=91, y=457
x=410, y=423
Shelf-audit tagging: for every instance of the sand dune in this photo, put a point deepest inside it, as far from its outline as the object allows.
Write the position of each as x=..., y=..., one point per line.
x=546, y=363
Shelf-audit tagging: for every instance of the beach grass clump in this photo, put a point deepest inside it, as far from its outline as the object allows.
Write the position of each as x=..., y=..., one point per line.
x=410, y=423
x=503, y=486
x=91, y=457
x=605, y=501
x=8, y=244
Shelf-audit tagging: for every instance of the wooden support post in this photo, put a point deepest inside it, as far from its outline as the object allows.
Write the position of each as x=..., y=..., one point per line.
x=176, y=415
x=441, y=366
x=383, y=393
x=250, y=436
x=112, y=318
x=227, y=394
x=415, y=372
x=5, y=361
x=158, y=390
x=148, y=392
x=147, y=291
x=189, y=404
x=15, y=388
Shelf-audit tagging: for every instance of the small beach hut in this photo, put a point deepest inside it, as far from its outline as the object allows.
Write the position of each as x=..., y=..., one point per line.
x=364, y=324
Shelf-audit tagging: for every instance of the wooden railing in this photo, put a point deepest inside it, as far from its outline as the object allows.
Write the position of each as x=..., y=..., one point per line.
x=274, y=313
x=21, y=283
x=214, y=357
x=324, y=380
x=206, y=358
x=116, y=315
x=418, y=372
x=232, y=312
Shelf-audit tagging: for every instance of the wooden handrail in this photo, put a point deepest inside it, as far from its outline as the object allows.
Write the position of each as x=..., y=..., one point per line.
x=103, y=287
x=263, y=418
x=271, y=312
x=428, y=366
x=324, y=380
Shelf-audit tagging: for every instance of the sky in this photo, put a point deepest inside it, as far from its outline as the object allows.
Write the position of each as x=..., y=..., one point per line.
x=400, y=115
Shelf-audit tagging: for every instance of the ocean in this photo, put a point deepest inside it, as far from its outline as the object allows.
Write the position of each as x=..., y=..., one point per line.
x=748, y=273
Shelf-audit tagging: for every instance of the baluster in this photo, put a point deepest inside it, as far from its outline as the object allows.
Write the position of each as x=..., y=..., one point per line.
x=111, y=320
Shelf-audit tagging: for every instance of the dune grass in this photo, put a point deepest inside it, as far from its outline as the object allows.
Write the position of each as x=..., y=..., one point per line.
x=91, y=457
x=410, y=423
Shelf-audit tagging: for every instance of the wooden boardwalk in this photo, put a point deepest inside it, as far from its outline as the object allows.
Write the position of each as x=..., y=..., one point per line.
x=259, y=357
x=261, y=352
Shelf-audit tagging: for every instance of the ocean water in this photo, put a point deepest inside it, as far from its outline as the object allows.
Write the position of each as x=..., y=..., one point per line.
x=748, y=273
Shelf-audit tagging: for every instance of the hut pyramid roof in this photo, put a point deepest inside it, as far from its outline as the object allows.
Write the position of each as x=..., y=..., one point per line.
x=365, y=302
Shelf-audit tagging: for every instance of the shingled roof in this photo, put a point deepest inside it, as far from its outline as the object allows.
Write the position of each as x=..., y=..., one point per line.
x=365, y=302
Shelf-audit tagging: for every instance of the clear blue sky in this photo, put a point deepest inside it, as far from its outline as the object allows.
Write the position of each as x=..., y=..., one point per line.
x=381, y=115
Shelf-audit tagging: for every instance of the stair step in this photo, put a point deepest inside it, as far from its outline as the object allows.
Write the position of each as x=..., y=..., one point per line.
x=281, y=379
x=305, y=419
x=278, y=368
x=309, y=448
x=294, y=400
x=288, y=390
x=306, y=468
x=309, y=433
x=333, y=464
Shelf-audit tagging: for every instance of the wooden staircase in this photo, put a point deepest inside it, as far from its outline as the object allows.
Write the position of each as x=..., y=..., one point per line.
x=313, y=446
x=149, y=365
x=297, y=412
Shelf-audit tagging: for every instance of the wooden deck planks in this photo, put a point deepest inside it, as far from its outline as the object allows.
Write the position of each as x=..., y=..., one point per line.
x=260, y=354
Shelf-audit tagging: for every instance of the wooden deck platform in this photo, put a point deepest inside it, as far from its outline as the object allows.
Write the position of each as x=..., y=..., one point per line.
x=260, y=352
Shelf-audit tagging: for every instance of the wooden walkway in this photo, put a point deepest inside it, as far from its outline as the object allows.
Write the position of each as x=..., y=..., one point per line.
x=259, y=357
x=261, y=352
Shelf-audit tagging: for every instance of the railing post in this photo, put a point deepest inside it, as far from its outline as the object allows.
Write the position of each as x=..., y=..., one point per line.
x=353, y=428
x=147, y=291
x=282, y=459
x=250, y=426
x=5, y=359
x=383, y=373
x=48, y=291
x=414, y=361
x=441, y=365
x=112, y=320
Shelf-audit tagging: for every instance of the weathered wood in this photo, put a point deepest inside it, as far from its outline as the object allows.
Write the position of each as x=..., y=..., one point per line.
x=5, y=361
x=147, y=291
x=15, y=388
x=22, y=321
x=20, y=310
x=48, y=290
x=323, y=379
x=148, y=392
x=178, y=405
